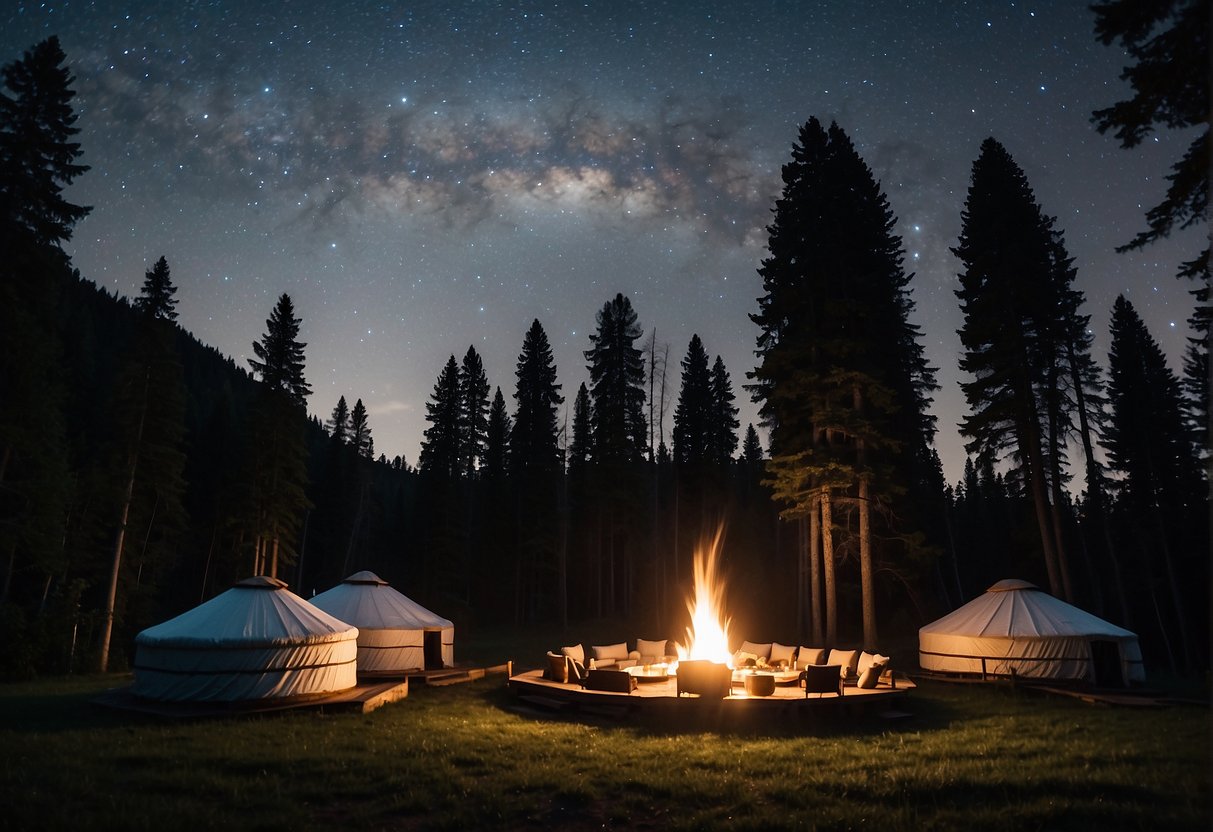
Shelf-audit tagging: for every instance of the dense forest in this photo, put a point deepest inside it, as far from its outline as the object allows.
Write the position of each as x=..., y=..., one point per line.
x=142, y=472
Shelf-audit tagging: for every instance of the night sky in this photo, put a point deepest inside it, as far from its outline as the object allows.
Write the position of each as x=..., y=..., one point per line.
x=421, y=177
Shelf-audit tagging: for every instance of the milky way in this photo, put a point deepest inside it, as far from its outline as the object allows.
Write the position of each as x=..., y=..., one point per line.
x=421, y=177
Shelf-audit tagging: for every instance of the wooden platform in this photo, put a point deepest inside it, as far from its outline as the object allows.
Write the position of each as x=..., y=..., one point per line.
x=661, y=700
x=363, y=698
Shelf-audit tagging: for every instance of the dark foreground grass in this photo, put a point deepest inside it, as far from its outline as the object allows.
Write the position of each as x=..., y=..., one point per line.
x=461, y=757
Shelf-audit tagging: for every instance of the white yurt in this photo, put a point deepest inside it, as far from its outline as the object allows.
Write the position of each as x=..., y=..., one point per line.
x=395, y=633
x=256, y=641
x=1018, y=629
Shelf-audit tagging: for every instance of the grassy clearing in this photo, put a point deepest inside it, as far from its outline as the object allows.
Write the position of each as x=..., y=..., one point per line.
x=460, y=758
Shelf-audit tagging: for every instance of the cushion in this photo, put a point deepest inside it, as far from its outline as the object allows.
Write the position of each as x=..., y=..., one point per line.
x=871, y=674
x=611, y=652
x=558, y=668
x=849, y=659
x=762, y=649
x=651, y=648
x=576, y=653
x=867, y=659
x=782, y=653
x=811, y=655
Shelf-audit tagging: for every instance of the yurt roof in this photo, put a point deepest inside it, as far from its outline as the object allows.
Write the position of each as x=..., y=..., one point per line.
x=256, y=611
x=1018, y=609
x=369, y=602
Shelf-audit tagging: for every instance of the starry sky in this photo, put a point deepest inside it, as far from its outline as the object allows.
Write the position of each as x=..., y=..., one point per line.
x=424, y=176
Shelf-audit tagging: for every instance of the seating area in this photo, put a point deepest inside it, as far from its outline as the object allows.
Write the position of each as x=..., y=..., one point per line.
x=815, y=670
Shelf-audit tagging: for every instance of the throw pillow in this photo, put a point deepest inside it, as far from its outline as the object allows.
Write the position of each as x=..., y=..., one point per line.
x=781, y=653
x=757, y=648
x=611, y=652
x=576, y=652
x=648, y=648
x=849, y=659
x=870, y=676
x=810, y=655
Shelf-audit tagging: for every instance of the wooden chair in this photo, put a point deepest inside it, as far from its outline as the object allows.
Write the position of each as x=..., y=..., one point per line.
x=820, y=679
x=613, y=681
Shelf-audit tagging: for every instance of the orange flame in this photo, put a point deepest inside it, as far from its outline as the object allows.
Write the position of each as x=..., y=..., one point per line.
x=708, y=635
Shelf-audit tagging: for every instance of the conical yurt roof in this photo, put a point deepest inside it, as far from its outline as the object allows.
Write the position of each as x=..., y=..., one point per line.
x=256, y=611
x=1017, y=609
x=369, y=602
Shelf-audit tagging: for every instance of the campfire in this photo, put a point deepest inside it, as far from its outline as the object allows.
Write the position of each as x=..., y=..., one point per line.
x=708, y=635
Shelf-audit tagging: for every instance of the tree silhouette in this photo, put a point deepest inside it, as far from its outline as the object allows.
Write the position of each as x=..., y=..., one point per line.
x=1168, y=41
x=156, y=298
x=1159, y=485
x=841, y=377
x=694, y=412
x=277, y=455
x=150, y=417
x=497, y=439
x=37, y=156
x=339, y=423
x=440, y=447
x=473, y=411
x=1012, y=291
x=722, y=416
x=360, y=431
x=616, y=368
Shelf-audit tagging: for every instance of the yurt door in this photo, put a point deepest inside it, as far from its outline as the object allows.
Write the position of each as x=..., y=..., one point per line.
x=433, y=649
x=1109, y=670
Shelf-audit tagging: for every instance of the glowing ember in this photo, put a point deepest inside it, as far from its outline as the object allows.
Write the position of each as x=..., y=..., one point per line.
x=708, y=635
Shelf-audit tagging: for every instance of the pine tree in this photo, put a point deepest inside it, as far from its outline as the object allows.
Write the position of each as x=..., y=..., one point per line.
x=535, y=463
x=497, y=439
x=751, y=449
x=440, y=447
x=1168, y=41
x=533, y=438
x=842, y=381
x=580, y=448
x=156, y=299
x=1010, y=296
x=473, y=411
x=279, y=353
x=278, y=454
x=37, y=156
x=150, y=417
x=38, y=161
x=616, y=368
x=339, y=423
x=360, y=431
x=1147, y=443
x=722, y=417
x=694, y=412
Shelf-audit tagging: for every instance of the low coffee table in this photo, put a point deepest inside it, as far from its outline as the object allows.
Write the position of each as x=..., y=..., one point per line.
x=649, y=673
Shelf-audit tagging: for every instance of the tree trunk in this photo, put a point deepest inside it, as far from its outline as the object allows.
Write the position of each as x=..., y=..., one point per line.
x=827, y=556
x=815, y=570
x=865, y=567
x=1030, y=451
x=1054, y=416
x=111, y=597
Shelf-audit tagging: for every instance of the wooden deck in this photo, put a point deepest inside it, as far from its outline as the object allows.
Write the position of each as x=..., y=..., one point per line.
x=661, y=700
x=362, y=698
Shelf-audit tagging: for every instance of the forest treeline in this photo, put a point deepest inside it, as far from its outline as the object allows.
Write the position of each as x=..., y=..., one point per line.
x=142, y=472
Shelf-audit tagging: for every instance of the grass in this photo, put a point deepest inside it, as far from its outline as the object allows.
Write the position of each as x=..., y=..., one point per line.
x=461, y=757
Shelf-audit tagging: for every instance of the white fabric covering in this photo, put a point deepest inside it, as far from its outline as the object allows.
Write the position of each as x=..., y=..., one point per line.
x=257, y=640
x=1016, y=627
x=391, y=626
